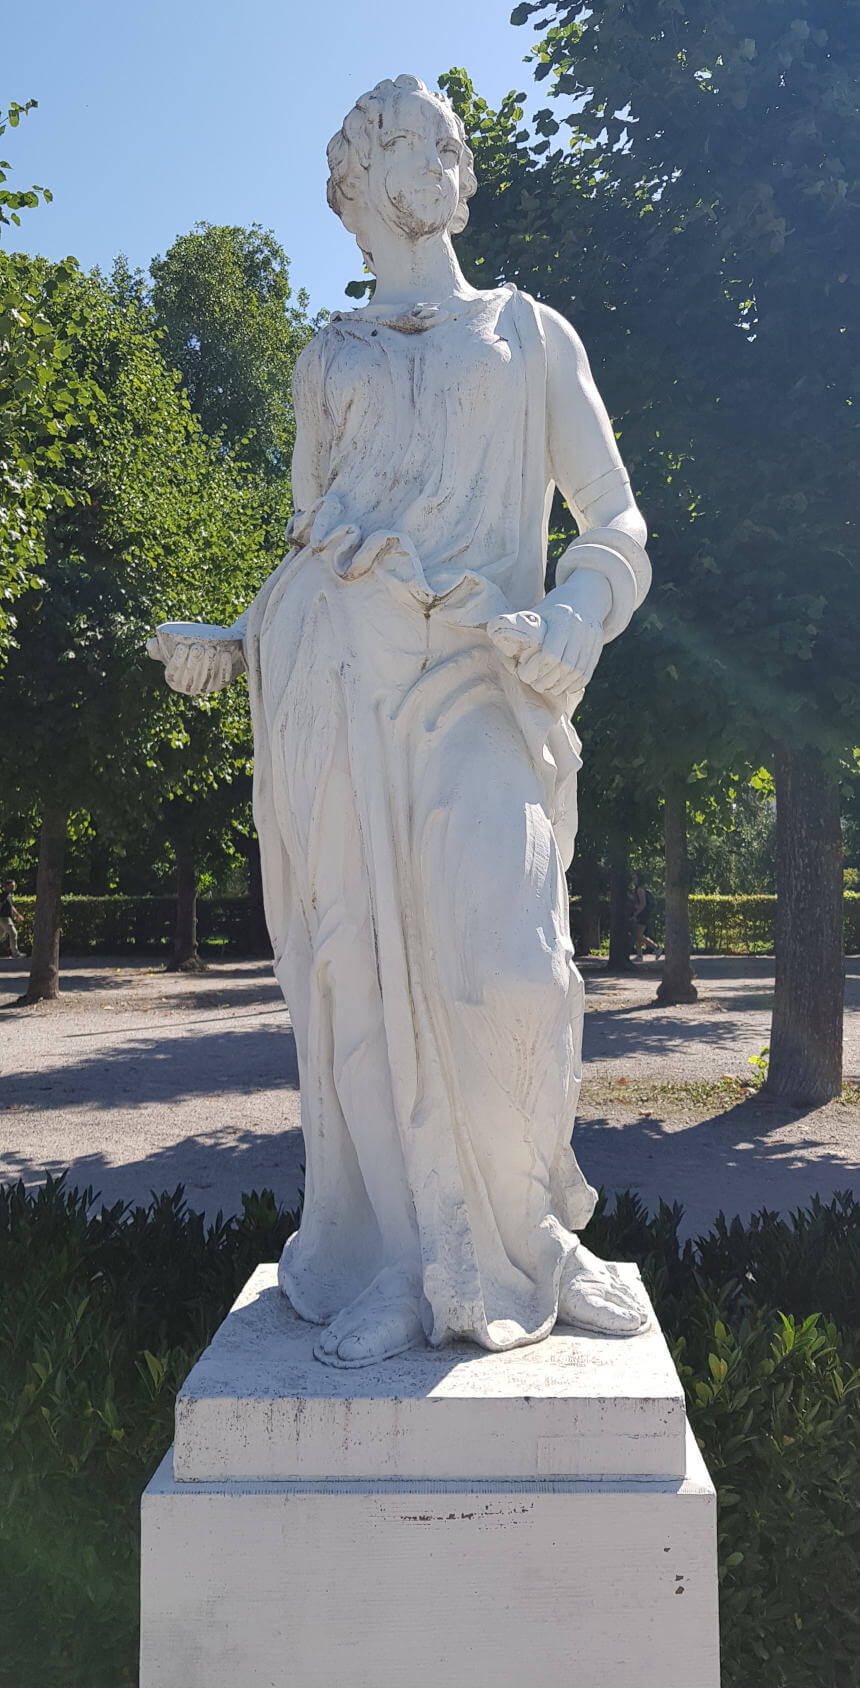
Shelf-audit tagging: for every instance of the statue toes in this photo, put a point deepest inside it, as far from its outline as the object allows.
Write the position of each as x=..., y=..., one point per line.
x=361, y=1348
x=399, y=1330
x=599, y=1307
x=327, y=1341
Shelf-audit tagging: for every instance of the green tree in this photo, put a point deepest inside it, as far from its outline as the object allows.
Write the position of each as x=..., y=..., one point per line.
x=704, y=214
x=732, y=843
x=42, y=398
x=229, y=321
x=155, y=520
x=555, y=224
x=223, y=300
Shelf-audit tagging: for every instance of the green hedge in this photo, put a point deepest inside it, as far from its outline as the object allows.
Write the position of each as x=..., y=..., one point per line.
x=104, y=1313
x=732, y=925
x=144, y=925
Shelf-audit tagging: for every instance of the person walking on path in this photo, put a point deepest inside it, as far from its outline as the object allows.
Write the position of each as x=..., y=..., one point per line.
x=9, y=917
x=643, y=910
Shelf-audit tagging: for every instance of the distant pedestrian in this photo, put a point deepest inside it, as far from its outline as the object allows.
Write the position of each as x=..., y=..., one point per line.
x=9, y=917
x=643, y=913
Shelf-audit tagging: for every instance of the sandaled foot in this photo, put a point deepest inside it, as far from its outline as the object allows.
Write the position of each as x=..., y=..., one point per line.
x=595, y=1296
x=383, y=1321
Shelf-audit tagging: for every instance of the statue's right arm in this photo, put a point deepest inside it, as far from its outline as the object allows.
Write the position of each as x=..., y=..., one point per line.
x=201, y=658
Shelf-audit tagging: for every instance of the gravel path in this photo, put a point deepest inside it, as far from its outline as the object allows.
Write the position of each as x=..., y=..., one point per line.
x=138, y=1080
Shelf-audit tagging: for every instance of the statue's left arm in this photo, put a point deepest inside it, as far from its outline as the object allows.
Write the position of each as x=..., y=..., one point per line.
x=604, y=574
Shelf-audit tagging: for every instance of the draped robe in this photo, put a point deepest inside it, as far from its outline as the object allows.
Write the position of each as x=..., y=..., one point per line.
x=416, y=808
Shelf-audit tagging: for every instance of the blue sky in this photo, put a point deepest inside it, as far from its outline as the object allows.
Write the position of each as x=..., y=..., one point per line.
x=159, y=114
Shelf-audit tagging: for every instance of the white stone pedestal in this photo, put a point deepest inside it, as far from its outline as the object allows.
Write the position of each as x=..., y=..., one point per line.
x=454, y=1518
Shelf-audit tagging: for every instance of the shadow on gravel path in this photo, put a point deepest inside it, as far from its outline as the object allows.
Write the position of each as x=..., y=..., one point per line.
x=753, y=1155
x=139, y=1080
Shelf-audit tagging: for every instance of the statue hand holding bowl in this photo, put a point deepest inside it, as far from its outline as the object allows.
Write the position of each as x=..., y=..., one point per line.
x=415, y=771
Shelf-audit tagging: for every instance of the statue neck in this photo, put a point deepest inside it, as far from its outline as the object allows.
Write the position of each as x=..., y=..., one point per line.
x=412, y=271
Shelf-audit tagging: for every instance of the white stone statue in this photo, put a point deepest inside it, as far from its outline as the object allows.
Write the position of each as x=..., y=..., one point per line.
x=415, y=771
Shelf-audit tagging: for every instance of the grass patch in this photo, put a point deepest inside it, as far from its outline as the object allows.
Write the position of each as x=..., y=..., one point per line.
x=677, y=1096
x=682, y=1096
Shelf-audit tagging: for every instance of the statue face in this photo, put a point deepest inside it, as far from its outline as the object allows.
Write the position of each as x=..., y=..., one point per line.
x=414, y=171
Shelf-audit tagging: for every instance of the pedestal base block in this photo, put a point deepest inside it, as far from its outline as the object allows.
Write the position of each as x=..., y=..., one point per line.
x=430, y=1581
x=258, y=1405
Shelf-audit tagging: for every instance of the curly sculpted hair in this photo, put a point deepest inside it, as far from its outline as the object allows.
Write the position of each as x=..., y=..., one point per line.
x=348, y=151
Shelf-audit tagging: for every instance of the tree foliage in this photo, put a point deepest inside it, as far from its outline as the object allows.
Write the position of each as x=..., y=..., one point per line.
x=14, y=200
x=42, y=397
x=691, y=199
x=222, y=298
x=152, y=522
x=149, y=514
x=689, y=196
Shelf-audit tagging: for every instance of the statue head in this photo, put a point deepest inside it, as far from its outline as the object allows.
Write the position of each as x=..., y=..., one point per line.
x=401, y=158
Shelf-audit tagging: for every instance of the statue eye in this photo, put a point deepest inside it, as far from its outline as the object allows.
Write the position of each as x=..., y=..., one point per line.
x=392, y=140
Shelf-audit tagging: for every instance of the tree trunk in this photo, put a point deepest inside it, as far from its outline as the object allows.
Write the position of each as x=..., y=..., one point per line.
x=619, y=914
x=588, y=886
x=806, y=1033
x=676, y=984
x=258, y=931
x=44, y=981
x=185, y=958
